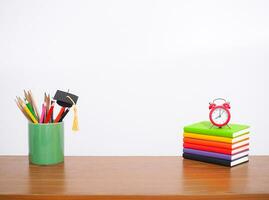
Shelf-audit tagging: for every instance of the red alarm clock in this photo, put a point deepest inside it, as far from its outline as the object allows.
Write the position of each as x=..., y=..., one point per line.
x=219, y=115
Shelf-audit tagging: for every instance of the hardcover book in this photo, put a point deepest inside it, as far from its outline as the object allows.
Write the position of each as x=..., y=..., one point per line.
x=216, y=160
x=215, y=143
x=217, y=138
x=206, y=128
x=216, y=155
x=216, y=149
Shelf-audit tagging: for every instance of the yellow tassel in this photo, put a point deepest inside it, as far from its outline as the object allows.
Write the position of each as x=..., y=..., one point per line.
x=75, y=120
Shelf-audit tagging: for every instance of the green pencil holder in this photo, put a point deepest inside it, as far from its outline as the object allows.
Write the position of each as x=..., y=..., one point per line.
x=46, y=143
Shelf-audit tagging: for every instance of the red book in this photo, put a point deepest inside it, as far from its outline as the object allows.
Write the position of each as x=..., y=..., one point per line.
x=49, y=113
x=216, y=149
x=216, y=144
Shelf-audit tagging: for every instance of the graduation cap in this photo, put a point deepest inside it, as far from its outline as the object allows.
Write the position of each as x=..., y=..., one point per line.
x=64, y=98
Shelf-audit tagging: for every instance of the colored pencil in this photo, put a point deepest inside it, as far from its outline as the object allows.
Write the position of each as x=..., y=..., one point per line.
x=27, y=96
x=41, y=120
x=49, y=113
x=59, y=115
x=22, y=110
x=47, y=105
x=64, y=114
x=28, y=111
x=30, y=107
x=33, y=102
x=51, y=118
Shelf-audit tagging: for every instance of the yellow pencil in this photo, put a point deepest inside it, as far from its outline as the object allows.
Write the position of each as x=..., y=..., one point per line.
x=29, y=113
x=22, y=110
x=34, y=104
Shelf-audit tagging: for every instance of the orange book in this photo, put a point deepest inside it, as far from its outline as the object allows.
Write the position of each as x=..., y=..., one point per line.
x=216, y=138
x=216, y=144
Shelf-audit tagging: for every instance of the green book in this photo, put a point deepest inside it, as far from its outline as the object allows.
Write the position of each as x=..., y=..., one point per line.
x=205, y=128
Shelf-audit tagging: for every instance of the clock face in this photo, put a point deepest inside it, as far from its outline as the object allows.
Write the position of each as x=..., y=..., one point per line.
x=219, y=116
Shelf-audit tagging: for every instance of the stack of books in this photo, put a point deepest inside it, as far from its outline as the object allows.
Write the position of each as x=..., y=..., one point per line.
x=227, y=146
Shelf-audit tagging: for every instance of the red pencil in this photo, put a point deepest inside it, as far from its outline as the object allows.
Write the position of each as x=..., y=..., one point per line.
x=49, y=113
x=59, y=115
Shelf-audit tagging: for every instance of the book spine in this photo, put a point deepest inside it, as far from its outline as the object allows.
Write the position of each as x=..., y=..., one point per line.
x=209, y=143
x=208, y=137
x=208, y=132
x=207, y=153
x=207, y=159
x=207, y=148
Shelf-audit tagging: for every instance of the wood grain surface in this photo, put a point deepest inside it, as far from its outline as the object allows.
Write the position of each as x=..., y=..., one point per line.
x=133, y=178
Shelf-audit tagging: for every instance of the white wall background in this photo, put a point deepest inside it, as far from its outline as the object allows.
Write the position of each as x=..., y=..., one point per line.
x=142, y=69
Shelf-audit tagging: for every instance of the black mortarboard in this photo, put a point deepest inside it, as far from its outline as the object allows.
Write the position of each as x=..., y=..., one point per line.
x=62, y=99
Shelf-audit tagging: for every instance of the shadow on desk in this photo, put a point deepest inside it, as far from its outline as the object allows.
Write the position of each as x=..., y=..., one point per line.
x=42, y=179
x=204, y=178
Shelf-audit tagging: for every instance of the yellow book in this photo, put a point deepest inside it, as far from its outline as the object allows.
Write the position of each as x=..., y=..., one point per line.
x=217, y=138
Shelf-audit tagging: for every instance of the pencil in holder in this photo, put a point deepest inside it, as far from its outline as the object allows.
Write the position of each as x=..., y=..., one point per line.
x=46, y=143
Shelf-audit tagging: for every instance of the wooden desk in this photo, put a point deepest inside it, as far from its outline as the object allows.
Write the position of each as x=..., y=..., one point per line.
x=133, y=178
